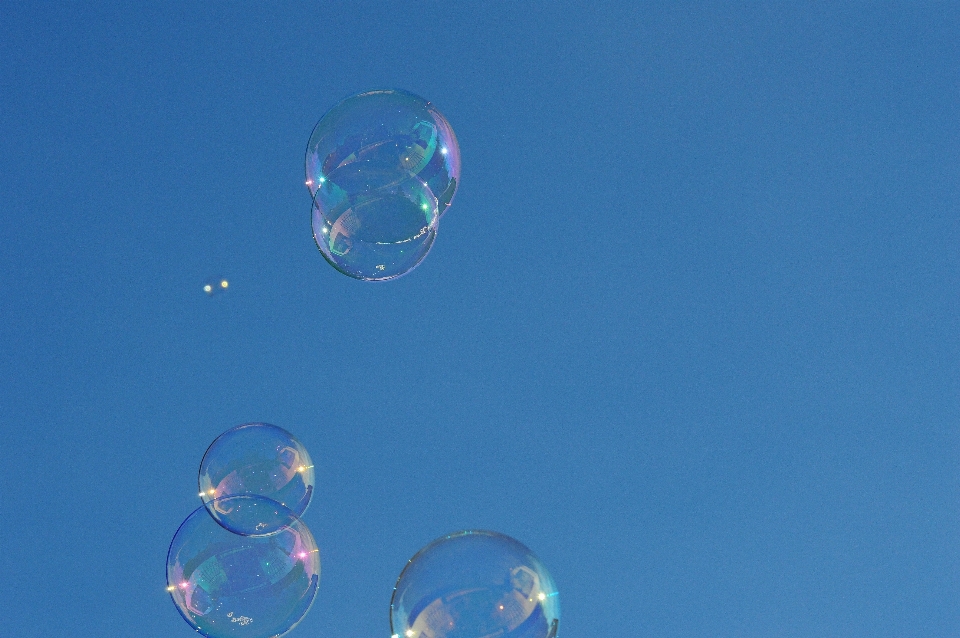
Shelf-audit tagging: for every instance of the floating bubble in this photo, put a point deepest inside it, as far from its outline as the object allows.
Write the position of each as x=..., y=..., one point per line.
x=474, y=584
x=382, y=167
x=214, y=286
x=227, y=584
x=256, y=459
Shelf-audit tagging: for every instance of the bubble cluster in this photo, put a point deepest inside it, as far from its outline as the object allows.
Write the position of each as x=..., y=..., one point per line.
x=244, y=564
x=382, y=167
x=474, y=584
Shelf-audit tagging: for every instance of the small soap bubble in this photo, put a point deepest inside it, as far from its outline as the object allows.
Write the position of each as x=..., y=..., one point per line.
x=214, y=286
x=474, y=584
x=256, y=459
x=381, y=167
x=227, y=584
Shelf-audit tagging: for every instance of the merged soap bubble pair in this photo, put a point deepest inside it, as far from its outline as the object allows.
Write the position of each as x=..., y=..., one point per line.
x=382, y=167
x=244, y=564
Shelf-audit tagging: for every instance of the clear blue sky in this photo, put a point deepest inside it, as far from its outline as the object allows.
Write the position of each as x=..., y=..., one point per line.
x=691, y=329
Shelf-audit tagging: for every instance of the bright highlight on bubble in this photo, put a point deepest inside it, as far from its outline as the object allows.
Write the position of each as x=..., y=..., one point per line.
x=475, y=584
x=256, y=459
x=226, y=584
x=382, y=167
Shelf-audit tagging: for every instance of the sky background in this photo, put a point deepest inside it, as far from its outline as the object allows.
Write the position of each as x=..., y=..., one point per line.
x=690, y=330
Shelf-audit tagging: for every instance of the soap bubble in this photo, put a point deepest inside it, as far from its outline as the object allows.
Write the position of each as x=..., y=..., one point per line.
x=255, y=459
x=396, y=134
x=474, y=584
x=227, y=584
x=382, y=167
x=379, y=236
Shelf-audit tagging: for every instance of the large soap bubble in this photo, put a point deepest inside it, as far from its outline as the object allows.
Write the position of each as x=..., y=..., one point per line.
x=474, y=584
x=382, y=167
x=227, y=584
x=256, y=459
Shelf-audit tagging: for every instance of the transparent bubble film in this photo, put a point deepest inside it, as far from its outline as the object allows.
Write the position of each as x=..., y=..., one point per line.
x=382, y=167
x=475, y=584
x=227, y=584
x=256, y=459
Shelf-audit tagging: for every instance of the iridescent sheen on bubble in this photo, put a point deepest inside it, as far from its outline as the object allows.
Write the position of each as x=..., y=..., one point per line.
x=475, y=584
x=227, y=584
x=382, y=167
x=256, y=459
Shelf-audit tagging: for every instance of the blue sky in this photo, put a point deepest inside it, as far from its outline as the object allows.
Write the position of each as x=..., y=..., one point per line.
x=689, y=331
